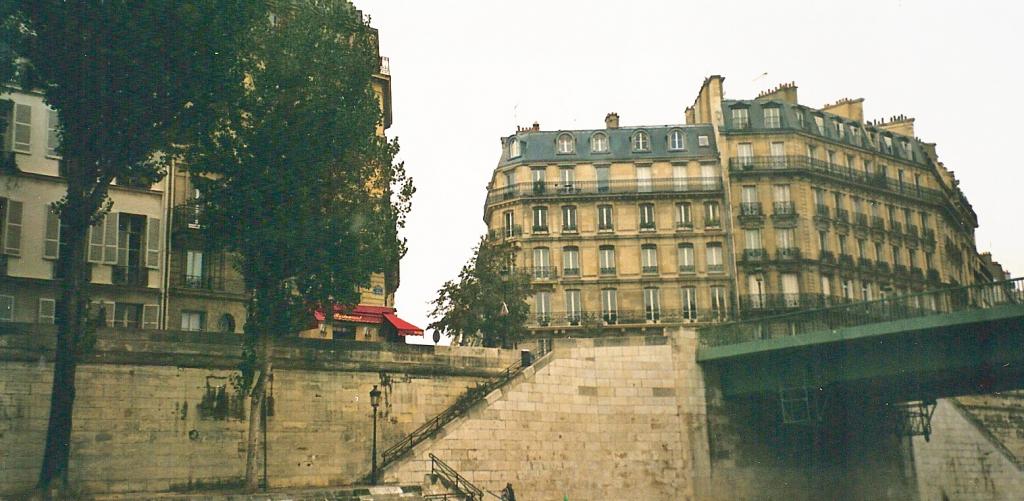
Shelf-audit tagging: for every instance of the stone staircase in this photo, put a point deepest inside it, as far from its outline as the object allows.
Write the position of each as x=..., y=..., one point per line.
x=352, y=493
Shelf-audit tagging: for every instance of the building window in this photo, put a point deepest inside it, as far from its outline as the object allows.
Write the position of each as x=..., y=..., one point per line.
x=646, y=216
x=641, y=141
x=540, y=219
x=812, y=151
x=649, y=258
x=772, y=118
x=510, y=179
x=193, y=320
x=226, y=323
x=823, y=240
x=566, y=144
x=643, y=178
x=778, y=151
x=537, y=175
x=609, y=305
x=569, y=219
x=47, y=311
x=798, y=116
x=847, y=286
x=542, y=269
x=790, y=290
x=878, y=252
x=740, y=118
x=688, y=303
x=677, y=140
x=703, y=141
x=127, y=315
x=686, y=264
x=542, y=307
x=571, y=261
x=568, y=179
x=573, y=306
x=719, y=303
x=21, y=138
x=786, y=238
x=652, y=304
x=509, y=222
x=711, y=215
x=752, y=238
x=819, y=122
x=6, y=308
x=52, y=133
x=513, y=148
x=606, y=259
x=604, y=217
x=603, y=176
x=194, y=269
x=826, y=286
x=599, y=143
x=714, y=258
x=842, y=245
x=745, y=154
x=684, y=219
x=755, y=286
x=895, y=256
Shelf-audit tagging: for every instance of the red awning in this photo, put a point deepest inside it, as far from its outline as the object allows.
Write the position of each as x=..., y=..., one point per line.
x=404, y=328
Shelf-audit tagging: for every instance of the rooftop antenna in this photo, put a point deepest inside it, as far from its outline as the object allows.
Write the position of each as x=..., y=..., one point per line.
x=762, y=75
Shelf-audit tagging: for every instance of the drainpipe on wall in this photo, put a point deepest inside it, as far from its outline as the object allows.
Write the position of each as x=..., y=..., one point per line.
x=165, y=270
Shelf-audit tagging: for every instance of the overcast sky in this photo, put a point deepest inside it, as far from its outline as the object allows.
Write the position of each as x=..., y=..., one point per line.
x=466, y=73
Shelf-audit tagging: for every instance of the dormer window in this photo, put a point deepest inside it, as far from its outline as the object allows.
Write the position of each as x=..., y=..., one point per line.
x=599, y=143
x=772, y=117
x=740, y=118
x=513, y=148
x=888, y=143
x=676, y=140
x=566, y=144
x=819, y=122
x=798, y=116
x=641, y=141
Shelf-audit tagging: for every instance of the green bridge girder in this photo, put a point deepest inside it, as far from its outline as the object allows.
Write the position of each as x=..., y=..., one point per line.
x=964, y=352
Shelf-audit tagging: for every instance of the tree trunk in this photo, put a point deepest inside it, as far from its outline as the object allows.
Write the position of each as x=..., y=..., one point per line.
x=259, y=395
x=71, y=324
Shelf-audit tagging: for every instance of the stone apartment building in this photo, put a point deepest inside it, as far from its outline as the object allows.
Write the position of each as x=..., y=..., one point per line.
x=752, y=207
x=150, y=266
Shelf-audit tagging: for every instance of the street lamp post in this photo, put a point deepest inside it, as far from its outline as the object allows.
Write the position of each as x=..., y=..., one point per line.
x=374, y=401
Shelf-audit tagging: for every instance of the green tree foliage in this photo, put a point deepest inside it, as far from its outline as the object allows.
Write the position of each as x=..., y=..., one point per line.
x=127, y=78
x=488, y=303
x=294, y=180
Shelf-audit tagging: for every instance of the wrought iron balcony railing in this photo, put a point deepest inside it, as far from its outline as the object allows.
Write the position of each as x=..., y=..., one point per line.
x=899, y=269
x=860, y=219
x=822, y=210
x=761, y=304
x=750, y=209
x=506, y=232
x=684, y=225
x=882, y=266
x=933, y=275
x=607, y=270
x=787, y=253
x=599, y=319
x=716, y=268
x=539, y=229
x=877, y=223
x=712, y=223
x=846, y=260
x=754, y=255
x=188, y=216
x=824, y=168
x=646, y=225
x=784, y=209
x=895, y=227
x=617, y=186
x=135, y=276
x=569, y=229
x=649, y=269
x=570, y=272
x=865, y=263
x=843, y=215
x=928, y=235
x=542, y=272
x=912, y=230
x=826, y=256
x=687, y=268
x=934, y=302
x=207, y=282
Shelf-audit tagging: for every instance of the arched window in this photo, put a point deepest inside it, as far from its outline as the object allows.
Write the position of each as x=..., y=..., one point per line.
x=676, y=140
x=226, y=323
x=566, y=144
x=641, y=141
x=513, y=148
x=599, y=143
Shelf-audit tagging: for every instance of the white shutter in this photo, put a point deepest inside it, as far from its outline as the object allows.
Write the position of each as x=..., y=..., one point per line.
x=153, y=242
x=96, y=232
x=12, y=229
x=47, y=310
x=150, y=316
x=110, y=231
x=52, y=127
x=51, y=239
x=22, y=136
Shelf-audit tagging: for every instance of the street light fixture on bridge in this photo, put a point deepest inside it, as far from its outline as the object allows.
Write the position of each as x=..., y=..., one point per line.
x=374, y=401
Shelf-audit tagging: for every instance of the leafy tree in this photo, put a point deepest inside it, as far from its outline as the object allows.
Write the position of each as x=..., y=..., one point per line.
x=488, y=303
x=295, y=182
x=126, y=77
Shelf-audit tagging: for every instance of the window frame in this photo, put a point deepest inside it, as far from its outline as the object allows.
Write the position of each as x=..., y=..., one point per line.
x=640, y=141
x=598, y=139
x=676, y=140
x=559, y=143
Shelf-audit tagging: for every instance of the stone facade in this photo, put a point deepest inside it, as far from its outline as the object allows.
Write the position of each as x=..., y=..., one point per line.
x=158, y=412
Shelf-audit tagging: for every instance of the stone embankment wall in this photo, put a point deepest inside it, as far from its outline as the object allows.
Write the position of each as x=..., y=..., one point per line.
x=974, y=449
x=606, y=418
x=158, y=411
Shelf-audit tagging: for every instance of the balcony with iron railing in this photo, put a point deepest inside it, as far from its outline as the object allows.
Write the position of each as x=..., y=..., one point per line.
x=895, y=227
x=916, y=273
x=505, y=232
x=207, y=282
x=860, y=219
x=787, y=253
x=188, y=216
x=569, y=229
x=754, y=255
x=846, y=260
x=133, y=276
x=790, y=163
x=539, y=228
x=598, y=319
x=750, y=209
x=882, y=266
x=607, y=270
x=542, y=272
x=647, y=226
x=716, y=268
x=822, y=211
x=687, y=268
x=843, y=215
x=762, y=304
x=612, y=187
x=865, y=263
x=684, y=225
x=570, y=272
x=826, y=256
x=877, y=223
x=928, y=236
x=782, y=210
x=933, y=275
x=912, y=230
x=899, y=269
x=712, y=224
x=649, y=270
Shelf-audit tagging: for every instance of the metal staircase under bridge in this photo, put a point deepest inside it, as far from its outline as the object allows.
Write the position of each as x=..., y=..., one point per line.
x=470, y=398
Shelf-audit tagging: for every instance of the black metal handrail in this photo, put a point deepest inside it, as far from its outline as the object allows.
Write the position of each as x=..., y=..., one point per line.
x=597, y=319
x=800, y=162
x=464, y=403
x=933, y=302
x=620, y=186
x=455, y=480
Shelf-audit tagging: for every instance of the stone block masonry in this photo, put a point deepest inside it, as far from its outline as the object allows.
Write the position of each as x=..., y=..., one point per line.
x=595, y=419
x=157, y=411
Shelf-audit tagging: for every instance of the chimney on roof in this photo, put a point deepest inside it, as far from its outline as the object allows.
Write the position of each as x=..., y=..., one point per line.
x=783, y=92
x=852, y=109
x=611, y=120
x=536, y=126
x=900, y=124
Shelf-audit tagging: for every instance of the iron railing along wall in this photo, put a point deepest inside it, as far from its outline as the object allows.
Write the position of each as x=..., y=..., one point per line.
x=453, y=479
x=616, y=186
x=934, y=302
